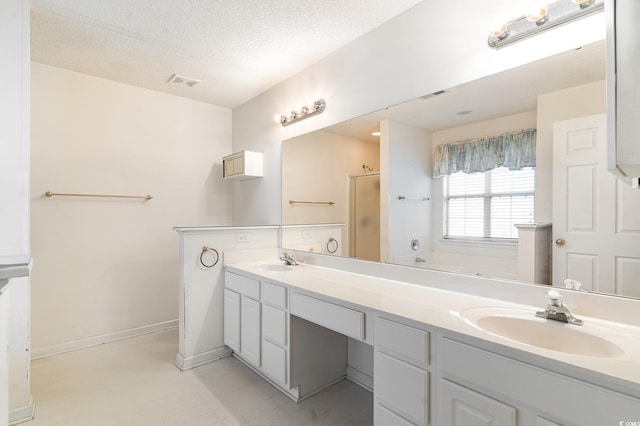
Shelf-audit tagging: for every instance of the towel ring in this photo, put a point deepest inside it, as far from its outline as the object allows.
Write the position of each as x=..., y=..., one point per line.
x=213, y=252
x=332, y=245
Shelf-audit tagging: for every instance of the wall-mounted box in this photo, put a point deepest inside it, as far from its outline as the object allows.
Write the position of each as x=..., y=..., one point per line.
x=242, y=165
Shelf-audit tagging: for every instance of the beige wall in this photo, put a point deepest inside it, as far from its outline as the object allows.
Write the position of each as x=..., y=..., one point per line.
x=103, y=266
x=315, y=168
x=574, y=102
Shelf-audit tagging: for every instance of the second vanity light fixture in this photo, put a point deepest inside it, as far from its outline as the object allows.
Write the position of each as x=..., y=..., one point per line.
x=546, y=18
x=306, y=111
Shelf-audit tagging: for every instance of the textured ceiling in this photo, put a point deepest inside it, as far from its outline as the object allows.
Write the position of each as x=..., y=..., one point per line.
x=237, y=48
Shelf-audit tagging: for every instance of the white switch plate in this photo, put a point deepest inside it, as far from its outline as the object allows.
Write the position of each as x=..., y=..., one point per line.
x=242, y=238
x=306, y=233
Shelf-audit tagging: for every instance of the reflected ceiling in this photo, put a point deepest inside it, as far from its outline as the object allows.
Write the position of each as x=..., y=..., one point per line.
x=494, y=96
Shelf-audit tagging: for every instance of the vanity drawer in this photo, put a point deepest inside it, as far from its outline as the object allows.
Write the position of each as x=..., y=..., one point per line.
x=274, y=325
x=274, y=361
x=274, y=295
x=402, y=387
x=403, y=342
x=335, y=317
x=243, y=285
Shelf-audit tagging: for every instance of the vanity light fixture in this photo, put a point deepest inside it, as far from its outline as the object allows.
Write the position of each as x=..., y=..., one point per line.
x=553, y=15
x=306, y=111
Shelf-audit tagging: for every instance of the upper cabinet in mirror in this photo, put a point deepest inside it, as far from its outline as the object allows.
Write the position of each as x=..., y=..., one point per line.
x=350, y=192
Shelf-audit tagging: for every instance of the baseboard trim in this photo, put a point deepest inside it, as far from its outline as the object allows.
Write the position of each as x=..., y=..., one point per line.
x=22, y=414
x=360, y=378
x=99, y=340
x=200, y=359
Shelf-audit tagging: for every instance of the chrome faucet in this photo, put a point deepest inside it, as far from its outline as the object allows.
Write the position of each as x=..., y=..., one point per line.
x=556, y=310
x=288, y=260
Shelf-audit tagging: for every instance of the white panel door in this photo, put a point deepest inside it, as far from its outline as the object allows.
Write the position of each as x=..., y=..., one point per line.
x=461, y=406
x=596, y=228
x=274, y=361
x=250, y=330
x=232, y=320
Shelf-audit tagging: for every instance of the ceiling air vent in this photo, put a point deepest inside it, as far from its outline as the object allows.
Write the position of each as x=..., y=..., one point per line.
x=180, y=79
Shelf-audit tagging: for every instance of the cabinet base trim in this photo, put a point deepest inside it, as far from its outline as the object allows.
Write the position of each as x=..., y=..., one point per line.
x=200, y=359
x=360, y=378
x=293, y=393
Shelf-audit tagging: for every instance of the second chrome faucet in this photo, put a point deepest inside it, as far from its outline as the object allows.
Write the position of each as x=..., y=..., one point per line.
x=556, y=310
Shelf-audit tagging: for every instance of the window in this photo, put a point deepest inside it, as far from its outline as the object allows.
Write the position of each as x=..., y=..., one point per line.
x=488, y=205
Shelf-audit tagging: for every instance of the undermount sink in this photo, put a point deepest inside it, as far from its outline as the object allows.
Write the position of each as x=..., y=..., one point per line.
x=522, y=326
x=279, y=267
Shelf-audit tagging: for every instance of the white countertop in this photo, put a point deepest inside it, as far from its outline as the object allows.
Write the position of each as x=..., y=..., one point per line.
x=443, y=309
x=213, y=228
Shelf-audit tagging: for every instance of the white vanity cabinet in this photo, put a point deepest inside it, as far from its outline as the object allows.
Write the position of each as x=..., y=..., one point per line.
x=478, y=387
x=256, y=324
x=300, y=357
x=242, y=316
x=401, y=373
x=275, y=335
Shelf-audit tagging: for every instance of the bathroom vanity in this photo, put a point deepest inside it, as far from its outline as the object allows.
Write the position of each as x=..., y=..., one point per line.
x=440, y=357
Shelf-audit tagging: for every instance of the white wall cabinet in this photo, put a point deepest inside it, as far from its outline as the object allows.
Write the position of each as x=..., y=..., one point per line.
x=242, y=165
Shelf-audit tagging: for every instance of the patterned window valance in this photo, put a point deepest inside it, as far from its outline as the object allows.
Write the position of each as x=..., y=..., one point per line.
x=514, y=150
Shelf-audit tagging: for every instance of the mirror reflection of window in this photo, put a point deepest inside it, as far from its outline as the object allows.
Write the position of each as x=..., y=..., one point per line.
x=488, y=205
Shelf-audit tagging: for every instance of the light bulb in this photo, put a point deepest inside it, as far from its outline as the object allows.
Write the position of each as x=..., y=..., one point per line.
x=539, y=16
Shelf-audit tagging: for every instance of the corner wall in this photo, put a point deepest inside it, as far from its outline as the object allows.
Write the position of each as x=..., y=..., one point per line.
x=106, y=268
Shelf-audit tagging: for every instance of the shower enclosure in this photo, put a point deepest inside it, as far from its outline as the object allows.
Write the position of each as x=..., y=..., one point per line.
x=364, y=216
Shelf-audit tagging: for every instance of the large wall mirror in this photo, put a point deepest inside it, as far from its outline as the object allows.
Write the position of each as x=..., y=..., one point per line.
x=365, y=188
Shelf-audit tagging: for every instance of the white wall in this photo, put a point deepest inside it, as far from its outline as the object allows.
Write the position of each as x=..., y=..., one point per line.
x=317, y=166
x=506, y=252
x=406, y=166
x=14, y=209
x=103, y=266
x=433, y=46
x=14, y=130
x=201, y=302
x=574, y=102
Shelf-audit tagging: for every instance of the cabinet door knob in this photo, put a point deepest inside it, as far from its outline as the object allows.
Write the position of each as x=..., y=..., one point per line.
x=560, y=242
